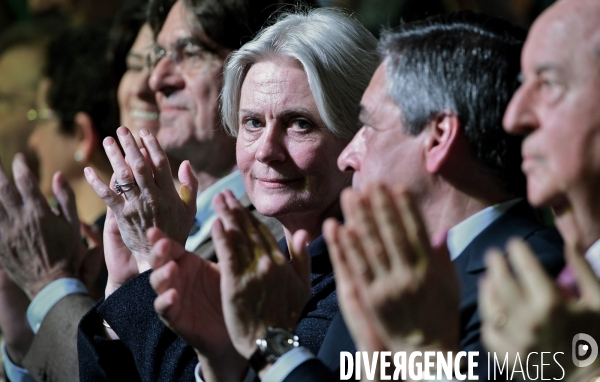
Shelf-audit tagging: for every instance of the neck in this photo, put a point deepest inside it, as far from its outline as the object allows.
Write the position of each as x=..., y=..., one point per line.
x=449, y=206
x=216, y=162
x=310, y=222
x=578, y=221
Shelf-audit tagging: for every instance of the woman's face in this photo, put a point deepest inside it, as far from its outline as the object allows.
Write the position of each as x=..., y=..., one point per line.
x=54, y=149
x=284, y=151
x=137, y=104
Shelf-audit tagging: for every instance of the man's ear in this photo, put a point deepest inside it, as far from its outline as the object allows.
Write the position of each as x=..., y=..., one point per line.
x=444, y=131
x=87, y=135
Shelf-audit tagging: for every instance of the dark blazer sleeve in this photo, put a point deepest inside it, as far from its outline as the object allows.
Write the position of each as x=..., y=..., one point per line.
x=100, y=358
x=53, y=352
x=145, y=345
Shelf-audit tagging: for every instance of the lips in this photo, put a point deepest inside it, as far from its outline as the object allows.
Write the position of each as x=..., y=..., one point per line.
x=144, y=115
x=529, y=162
x=276, y=183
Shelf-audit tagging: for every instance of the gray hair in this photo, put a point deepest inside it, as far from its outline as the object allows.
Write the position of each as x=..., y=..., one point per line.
x=337, y=53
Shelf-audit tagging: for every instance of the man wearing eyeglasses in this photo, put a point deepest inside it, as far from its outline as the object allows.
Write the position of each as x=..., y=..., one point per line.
x=193, y=38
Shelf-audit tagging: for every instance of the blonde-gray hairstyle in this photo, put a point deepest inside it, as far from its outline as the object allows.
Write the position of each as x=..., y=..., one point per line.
x=337, y=53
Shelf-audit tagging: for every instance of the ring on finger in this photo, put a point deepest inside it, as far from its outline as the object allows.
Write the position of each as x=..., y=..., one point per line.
x=121, y=188
x=499, y=319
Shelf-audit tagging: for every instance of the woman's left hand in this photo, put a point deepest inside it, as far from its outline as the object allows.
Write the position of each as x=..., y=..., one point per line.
x=259, y=286
x=149, y=198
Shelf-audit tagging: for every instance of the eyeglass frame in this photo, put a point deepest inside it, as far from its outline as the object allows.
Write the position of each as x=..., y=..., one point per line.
x=176, y=54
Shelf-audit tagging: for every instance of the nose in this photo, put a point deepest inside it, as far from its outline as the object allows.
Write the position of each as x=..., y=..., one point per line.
x=142, y=87
x=166, y=78
x=349, y=160
x=520, y=117
x=272, y=147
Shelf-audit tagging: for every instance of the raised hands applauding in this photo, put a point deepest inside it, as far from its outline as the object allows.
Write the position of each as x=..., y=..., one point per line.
x=392, y=285
x=524, y=312
x=141, y=195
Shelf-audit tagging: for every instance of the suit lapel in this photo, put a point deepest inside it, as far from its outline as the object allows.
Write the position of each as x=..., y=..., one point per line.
x=521, y=220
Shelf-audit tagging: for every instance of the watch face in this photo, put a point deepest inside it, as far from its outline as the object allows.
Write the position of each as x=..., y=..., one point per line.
x=280, y=341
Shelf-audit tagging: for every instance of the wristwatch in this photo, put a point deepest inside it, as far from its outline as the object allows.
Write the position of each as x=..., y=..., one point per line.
x=276, y=343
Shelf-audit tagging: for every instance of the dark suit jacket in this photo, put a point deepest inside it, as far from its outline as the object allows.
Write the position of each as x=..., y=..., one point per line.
x=522, y=221
x=147, y=349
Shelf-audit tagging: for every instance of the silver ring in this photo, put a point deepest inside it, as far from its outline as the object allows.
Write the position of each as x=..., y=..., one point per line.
x=121, y=188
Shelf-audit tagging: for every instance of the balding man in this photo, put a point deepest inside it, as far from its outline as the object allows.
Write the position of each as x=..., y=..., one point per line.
x=556, y=109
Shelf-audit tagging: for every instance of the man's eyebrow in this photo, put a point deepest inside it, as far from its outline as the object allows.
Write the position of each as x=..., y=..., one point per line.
x=134, y=55
x=549, y=67
x=186, y=40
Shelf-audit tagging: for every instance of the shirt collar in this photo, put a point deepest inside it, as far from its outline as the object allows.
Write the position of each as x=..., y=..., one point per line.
x=462, y=234
x=233, y=182
x=592, y=255
x=205, y=214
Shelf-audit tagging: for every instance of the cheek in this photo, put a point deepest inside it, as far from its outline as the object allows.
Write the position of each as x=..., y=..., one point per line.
x=318, y=160
x=123, y=91
x=245, y=154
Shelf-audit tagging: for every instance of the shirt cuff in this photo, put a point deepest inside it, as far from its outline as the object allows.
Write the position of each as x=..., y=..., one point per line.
x=48, y=297
x=14, y=373
x=198, y=373
x=286, y=364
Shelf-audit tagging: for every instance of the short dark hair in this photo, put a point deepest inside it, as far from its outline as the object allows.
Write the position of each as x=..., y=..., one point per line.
x=467, y=63
x=229, y=23
x=78, y=67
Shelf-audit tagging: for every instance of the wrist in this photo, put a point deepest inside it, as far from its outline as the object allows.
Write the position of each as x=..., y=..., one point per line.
x=16, y=352
x=33, y=288
x=111, y=287
x=229, y=366
x=142, y=260
x=270, y=348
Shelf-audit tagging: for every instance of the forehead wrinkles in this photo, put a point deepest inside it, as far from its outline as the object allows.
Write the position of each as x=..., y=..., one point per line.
x=271, y=84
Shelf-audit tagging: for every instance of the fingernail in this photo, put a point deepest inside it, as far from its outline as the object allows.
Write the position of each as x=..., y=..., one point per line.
x=144, y=133
x=87, y=171
x=122, y=131
x=108, y=141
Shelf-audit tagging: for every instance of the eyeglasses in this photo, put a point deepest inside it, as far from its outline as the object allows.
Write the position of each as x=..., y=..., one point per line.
x=38, y=115
x=187, y=54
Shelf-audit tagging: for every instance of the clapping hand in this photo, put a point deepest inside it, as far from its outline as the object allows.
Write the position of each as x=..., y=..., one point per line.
x=393, y=287
x=260, y=287
x=525, y=312
x=146, y=197
x=37, y=245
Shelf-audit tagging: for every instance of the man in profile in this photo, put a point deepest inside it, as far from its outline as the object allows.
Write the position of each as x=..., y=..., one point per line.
x=556, y=110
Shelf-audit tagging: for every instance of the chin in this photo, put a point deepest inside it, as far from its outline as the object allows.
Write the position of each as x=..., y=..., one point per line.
x=276, y=204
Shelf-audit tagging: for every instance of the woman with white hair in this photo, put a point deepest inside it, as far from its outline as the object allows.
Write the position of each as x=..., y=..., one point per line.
x=291, y=98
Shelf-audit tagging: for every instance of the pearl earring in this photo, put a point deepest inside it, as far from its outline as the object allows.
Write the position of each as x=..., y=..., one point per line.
x=78, y=156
